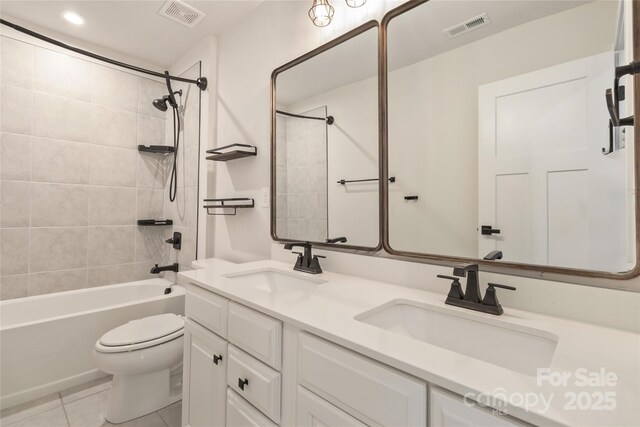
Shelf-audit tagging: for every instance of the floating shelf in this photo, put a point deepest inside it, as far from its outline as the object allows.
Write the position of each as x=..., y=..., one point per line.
x=154, y=222
x=234, y=203
x=241, y=150
x=156, y=149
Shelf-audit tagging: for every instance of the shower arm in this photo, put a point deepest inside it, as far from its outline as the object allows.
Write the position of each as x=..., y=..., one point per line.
x=201, y=82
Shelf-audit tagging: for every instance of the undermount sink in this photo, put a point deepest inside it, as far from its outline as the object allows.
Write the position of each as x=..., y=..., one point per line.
x=274, y=281
x=515, y=347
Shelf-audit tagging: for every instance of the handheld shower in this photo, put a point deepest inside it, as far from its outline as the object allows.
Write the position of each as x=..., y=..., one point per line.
x=163, y=104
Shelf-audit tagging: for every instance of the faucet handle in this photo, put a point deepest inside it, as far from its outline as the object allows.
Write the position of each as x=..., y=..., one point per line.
x=456, y=288
x=319, y=256
x=491, y=296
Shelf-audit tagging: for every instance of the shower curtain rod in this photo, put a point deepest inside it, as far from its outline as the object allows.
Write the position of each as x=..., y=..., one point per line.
x=201, y=82
x=329, y=119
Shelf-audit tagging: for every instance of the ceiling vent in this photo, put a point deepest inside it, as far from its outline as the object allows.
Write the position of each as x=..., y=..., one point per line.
x=468, y=25
x=182, y=13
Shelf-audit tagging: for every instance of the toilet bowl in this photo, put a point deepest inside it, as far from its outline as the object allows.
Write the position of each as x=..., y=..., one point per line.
x=140, y=355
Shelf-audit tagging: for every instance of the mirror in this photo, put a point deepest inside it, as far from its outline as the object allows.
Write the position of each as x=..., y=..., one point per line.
x=325, y=143
x=499, y=135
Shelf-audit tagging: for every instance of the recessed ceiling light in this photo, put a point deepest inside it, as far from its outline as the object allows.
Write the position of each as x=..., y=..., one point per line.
x=73, y=17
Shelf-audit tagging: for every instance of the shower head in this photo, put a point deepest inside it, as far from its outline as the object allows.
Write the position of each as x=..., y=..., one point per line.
x=161, y=103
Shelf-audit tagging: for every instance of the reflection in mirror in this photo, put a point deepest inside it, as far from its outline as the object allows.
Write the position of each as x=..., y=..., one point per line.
x=498, y=121
x=326, y=131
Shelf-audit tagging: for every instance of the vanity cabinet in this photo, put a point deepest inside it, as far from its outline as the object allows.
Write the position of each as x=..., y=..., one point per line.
x=237, y=374
x=232, y=357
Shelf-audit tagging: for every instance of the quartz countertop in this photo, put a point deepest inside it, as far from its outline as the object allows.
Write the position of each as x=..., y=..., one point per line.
x=601, y=365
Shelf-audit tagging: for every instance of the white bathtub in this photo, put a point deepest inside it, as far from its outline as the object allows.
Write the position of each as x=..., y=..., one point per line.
x=46, y=341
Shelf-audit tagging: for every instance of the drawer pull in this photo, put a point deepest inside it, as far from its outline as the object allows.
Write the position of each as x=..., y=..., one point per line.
x=242, y=383
x=216, y=359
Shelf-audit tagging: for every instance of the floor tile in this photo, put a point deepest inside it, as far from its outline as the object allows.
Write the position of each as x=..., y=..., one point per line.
x=52, y=418
x=151, y=420
x=29, y=409
x=89, y=411
x=83, y=390
x=172, y=414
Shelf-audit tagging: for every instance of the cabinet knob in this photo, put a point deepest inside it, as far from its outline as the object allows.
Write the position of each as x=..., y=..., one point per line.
x=242, y=383
x=216, y=359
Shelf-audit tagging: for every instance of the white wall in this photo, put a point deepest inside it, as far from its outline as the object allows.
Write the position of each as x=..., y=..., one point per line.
x=275, y=33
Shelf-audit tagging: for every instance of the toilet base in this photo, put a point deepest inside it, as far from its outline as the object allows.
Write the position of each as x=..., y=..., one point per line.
x=132, y=396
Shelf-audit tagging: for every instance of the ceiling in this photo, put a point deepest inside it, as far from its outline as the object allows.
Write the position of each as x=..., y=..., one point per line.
x=418, y=34
x=133, y=28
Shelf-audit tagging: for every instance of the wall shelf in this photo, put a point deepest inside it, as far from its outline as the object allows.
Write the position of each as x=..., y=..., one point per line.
x=231, y=152
x=154, y=222
x=156, y=149
x=234, y=203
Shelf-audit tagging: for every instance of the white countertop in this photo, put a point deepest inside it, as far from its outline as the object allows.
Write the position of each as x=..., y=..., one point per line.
x=328, y=310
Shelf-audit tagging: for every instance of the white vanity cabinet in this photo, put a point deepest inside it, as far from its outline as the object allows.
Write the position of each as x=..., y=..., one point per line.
x=231, y=357
x=236, y=374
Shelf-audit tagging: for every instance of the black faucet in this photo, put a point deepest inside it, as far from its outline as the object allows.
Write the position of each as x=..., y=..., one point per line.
x=470, y=298
x=305, y=262
x=493, y=255
x=156, y=270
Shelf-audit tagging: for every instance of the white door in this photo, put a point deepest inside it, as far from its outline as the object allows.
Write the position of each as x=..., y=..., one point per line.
x=543, y=180
x=206, y=367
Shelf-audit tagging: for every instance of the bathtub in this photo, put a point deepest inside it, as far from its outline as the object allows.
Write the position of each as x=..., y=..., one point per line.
x=46, y=341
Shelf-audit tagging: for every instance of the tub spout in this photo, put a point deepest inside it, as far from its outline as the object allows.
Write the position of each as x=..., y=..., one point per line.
x=156, y=270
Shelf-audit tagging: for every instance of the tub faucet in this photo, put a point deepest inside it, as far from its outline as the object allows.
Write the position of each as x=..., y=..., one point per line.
x=157, y=270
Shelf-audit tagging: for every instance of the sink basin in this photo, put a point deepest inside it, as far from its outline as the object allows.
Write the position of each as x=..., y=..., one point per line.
x=515, y=347
x=274, y=281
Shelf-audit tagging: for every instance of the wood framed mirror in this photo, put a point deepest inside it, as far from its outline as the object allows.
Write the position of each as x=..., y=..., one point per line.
x=496, y=114
x=325, y=144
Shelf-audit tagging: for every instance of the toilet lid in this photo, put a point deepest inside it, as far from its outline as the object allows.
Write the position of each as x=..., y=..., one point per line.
x=142, y=330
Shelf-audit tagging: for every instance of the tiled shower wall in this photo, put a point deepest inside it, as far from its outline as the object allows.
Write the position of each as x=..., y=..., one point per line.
x=302, y=164
x=72, y=181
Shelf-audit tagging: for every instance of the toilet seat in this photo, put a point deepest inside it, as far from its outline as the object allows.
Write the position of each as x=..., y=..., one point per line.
x=142, y=333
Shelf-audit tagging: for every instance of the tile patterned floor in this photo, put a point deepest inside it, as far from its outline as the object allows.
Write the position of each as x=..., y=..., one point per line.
x=82, y=406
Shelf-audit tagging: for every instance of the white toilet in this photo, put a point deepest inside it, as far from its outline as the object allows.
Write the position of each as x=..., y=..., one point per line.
x=141, y=355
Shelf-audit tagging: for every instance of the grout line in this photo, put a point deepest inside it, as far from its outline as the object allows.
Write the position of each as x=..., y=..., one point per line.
x=64, y=409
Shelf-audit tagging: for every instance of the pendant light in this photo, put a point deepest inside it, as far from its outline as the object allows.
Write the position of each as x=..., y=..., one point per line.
x=355, y=3
x=321, y=13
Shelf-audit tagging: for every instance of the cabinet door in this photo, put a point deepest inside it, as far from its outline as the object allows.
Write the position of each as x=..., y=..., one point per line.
x=206, y=362
x=313, y=411
x=449, y=410
x=241, y=414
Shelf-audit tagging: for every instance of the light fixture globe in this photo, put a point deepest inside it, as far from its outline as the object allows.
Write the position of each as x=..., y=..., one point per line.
x=355, y=3
x=321, y=13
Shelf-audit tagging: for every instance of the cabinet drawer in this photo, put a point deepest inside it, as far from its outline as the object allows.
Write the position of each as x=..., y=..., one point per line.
x=448, y=409
x=256, y=333
x=360, y=385
x=206, y=308
x=314, y=411
x=241, y=414
x=254, y=381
